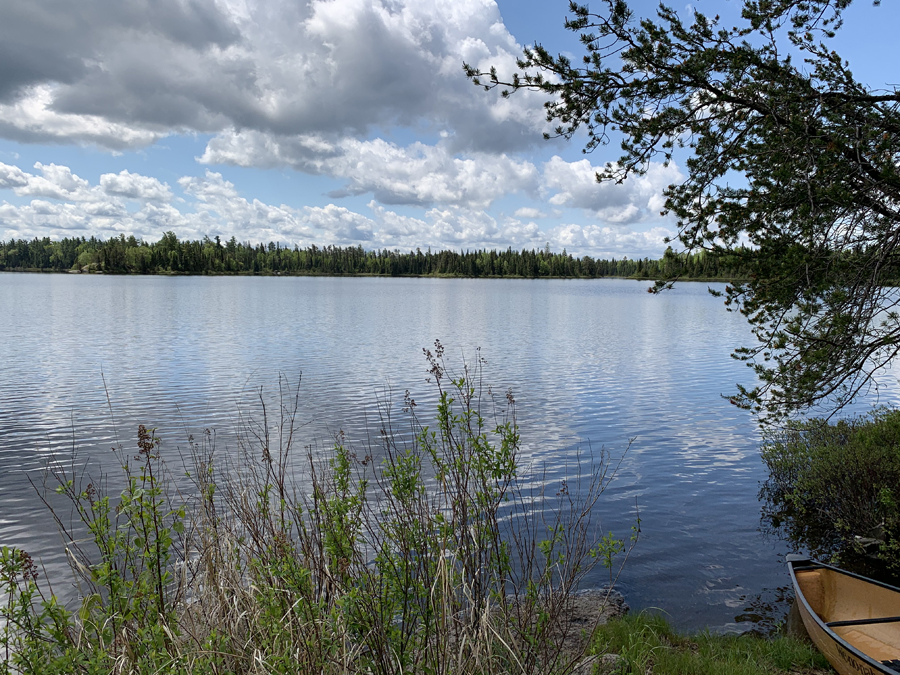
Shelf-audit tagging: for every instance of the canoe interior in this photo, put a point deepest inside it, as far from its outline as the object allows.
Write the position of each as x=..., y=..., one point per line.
x=840, y=597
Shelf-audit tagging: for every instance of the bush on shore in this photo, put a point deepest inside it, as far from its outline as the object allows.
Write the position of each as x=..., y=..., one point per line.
x=834, y=489
x=426, y=552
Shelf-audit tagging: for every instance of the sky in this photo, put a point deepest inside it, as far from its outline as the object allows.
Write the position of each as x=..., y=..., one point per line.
x=326, y=122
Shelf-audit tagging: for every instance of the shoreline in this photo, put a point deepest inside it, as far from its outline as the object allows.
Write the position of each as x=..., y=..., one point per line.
x=366, y=275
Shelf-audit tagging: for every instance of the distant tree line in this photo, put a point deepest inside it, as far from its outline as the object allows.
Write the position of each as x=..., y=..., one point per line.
x=127, y=255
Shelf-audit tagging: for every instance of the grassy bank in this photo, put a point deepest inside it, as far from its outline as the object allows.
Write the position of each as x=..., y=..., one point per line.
x=646, y=643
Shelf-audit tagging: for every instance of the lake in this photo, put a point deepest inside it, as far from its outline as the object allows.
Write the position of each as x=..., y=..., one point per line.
x=592, y=364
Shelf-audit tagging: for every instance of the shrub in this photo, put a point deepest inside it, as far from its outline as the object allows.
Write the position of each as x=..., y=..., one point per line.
x=835, y=488
x=427, y=552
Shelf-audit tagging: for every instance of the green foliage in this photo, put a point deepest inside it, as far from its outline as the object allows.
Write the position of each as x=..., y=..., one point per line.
x=37, y=632
x=171, y=256
x=834, y=488
x=128, y=610
x=425, y=555
x=649, y=644
x=793, y=172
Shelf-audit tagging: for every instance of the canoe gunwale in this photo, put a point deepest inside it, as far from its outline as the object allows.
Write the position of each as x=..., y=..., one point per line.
x=821, y=565
x=863, y=622
x=865, y=658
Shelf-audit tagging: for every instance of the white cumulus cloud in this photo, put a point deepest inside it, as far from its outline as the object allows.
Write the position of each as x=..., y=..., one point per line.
x=417, y=174
x=342, y=224
x=63, y=203
x=135, y=186
x=610, y=242
x=121, y=75
x=638, y=199
x=368, y=93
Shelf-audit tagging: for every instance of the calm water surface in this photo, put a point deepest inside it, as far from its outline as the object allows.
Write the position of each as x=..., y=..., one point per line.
x=590, y=362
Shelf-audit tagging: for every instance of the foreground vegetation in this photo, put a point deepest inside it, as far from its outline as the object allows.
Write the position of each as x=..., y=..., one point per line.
x=433, y=549
x=647, y=644
x=169, y=255
x=834, y=490
x=425, y=552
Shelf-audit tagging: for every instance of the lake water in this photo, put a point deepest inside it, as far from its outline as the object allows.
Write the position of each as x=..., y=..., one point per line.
x=590, y=362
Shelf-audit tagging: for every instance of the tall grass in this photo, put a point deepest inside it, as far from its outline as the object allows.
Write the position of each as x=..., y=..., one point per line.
x=428, y=551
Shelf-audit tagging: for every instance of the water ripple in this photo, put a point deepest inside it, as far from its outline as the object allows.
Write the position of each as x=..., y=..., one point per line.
x=592, y=365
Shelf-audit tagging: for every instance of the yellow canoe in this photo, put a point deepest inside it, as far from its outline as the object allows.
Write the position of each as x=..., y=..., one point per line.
x=854, y=621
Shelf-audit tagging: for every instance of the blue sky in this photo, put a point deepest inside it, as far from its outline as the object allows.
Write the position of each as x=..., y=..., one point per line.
x=317, y=122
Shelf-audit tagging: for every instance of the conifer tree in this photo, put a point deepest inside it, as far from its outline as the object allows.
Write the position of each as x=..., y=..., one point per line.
x=792, y=173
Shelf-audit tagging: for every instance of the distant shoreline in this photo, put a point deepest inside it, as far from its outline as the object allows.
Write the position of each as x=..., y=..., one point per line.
x=495, y=277
x=208, y=256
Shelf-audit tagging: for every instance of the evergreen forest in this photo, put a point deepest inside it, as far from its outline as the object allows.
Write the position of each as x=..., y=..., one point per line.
x=169, y=255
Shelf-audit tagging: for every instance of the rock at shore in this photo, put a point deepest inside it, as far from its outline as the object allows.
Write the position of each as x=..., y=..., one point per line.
x=589, y=608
